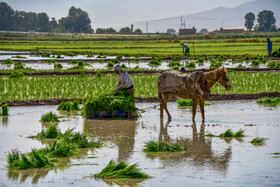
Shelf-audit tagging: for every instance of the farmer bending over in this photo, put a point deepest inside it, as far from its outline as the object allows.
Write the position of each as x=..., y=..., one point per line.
x=125, y=82
x=185, y=46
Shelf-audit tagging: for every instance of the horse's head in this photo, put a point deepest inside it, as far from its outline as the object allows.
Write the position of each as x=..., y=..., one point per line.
x=223, y=78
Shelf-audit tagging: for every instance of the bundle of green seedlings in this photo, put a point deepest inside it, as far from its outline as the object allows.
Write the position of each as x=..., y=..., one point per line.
x=229, y=134
x=188, y=102
x=155, y=61
x=5, y=110
x=16, y=74
x=48, y=55
x=161, y=146
x=80, y=65
x=8, y=61
x=69, y=106
x=174, y=63
x=258, y=141
x=19, y=65
x=191, y=65
x=98, y=74
x=121, y=171
x=269, y=101
x=58, y=66
x=109, y=103
x=49, y=117
x=215, y=64
x=51, y=61
x=18, y=56
x=70, y=54
x=273, y=64
x=276, y=53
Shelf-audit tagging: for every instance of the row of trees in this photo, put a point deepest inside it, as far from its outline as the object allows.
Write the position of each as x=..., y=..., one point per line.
x=266, y=21
x=76, y=21
x=124, y=30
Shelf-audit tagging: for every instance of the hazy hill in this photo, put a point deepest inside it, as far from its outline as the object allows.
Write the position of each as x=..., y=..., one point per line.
x=214, y=18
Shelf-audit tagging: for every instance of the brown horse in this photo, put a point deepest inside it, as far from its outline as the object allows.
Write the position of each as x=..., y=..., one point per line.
x=195, y=86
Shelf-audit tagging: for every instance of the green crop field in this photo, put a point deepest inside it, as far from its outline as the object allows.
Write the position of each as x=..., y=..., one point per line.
x=36, y=88
x=235, y=47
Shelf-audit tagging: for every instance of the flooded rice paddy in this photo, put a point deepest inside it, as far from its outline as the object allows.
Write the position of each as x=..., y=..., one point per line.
x=209, y=161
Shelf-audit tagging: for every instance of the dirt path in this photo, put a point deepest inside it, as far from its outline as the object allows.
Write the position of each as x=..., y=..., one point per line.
x=144, y=99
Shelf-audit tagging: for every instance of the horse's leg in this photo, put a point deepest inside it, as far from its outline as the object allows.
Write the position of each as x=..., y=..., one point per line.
x=194, y=106
x=161, y=110
x=166, y=98
x=201, y=104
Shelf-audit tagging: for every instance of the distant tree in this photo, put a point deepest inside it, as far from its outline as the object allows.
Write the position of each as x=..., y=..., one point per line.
x=131, y=28
x=76, y=21
x=125, y=30
x=43, y=22
x=249, y=20
x=53, y=24
x=266, y=20
x=204, y=30
x=105, y=31
x=138, y=31
x=170, y=31
x=6, y=17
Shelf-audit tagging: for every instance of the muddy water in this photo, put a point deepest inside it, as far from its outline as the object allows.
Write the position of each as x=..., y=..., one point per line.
x=210, y=161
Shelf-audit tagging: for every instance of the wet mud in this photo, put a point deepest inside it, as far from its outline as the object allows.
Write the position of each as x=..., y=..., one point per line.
x=208, y=161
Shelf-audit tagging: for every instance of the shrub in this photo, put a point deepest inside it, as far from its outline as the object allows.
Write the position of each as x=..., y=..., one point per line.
x=163, y=147
x=5, y=110
x=16, y=74
x=49, y=117
x=69, y=106
x=122, y=171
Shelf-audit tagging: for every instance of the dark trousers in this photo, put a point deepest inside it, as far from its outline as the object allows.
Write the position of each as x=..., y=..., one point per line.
x=269, y=53
x=187, y=51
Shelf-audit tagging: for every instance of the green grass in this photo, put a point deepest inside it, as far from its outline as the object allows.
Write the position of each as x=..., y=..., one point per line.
x=71, y=87
x=228, y=134
x=269, y=101
x=16, y=75
x=160, y=146
x=69, y=106
x=49, y=117
x=188, y=102
x=51, y=132
x=121, y=171
x=258, y=141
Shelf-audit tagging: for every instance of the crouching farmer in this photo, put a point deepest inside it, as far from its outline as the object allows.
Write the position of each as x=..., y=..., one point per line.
x=125, y=82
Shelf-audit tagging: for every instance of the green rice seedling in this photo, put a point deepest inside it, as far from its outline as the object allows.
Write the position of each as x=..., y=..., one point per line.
x=174, y=63
x=52, y=132
x=176, y=68
x=276, y=53
x=5, y=110
x=49, y=117
x=98, y=74
x=110, y=64
x=240, y=66
x=188, y=102
x=89, y=55
x=155, y=62
x=48, y=55
x=80, y=140
x=16, y=75
x=215, y=64
x=35, y=159
x=200, y=61
x=119, y=57
x=136, y=67
x=161, y=146
x=73, y=62
x=51, y=61
x=61, y=149
x=71, y=54
x=18, y=56
x=239, y=134
x=229, y=133
x=255, y=63
x=19, y=65
x=8, y=61
x=69, y=106
x=247, y=58
x=81, y=63
x=191, y=65
x=258, y=141
x=273, y=64
x=269, y=101
x=58, y=66
x=124, y=66
x=115, y=61
x=121, y=171
x=101, y=60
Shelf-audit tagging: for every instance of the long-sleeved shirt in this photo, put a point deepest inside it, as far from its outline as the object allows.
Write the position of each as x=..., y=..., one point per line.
x=269, y=46
x=185, y=46
x=125, y=81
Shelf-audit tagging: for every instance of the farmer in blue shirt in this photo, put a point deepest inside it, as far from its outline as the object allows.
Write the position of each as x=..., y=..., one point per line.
x=269, y=47
x=185, y=46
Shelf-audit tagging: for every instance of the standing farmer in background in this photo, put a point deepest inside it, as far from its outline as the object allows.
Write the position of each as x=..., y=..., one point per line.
x=185, y=46
x=125, y=82
x=269, y=47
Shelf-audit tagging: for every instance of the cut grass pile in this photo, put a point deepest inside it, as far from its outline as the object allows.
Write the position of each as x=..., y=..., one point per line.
x=109, y=103
x=161, y=146
x=188, y=102
x=228, y=134
x=5, y=110
x=69, y=106
x=121, y=171
x=269, y=101
x=258, y=141
x=49, y=117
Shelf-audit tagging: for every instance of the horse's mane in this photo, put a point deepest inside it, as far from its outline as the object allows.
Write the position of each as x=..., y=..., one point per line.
x=212, y=77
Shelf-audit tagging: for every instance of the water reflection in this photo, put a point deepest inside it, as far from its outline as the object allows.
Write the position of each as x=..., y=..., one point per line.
x=5, y=121
x=121, y=132
x=22, y=175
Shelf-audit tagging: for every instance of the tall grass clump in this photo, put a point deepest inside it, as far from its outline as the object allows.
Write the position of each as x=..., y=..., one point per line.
x=69, y=106
x=121, y=171
x=35, y=159
x=16, y=75
x=160, y=146
x=49, y=117
x=5, y=110
x=269, y=101
x=258, y=141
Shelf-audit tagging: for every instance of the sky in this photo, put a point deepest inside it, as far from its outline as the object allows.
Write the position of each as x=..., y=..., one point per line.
x=116, y=13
